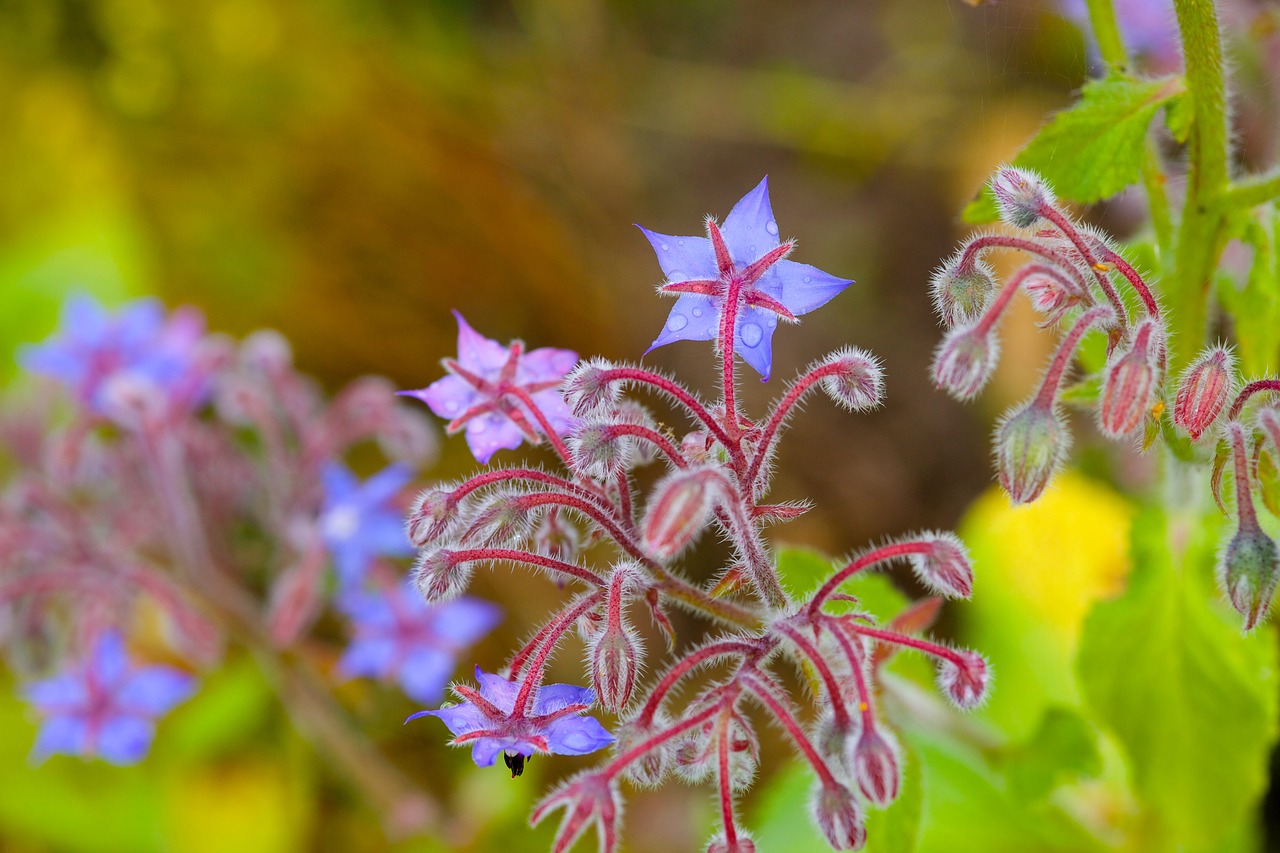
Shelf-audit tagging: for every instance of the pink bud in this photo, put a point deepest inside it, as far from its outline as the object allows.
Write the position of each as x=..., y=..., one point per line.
x=266, y=350
x=677, y=512
x=1020, y=195
x=858, y=381
x=433, y=516
x=1030, y=444
x=838, y=816
x=1248, y=571
x=1131, y=384
x=439, y=577
x=649, y=770
x=945, y=568
x=964, y=361
x=964, y=681
x=741, y=844
x=1203, y=390
x=961, y=290
x=1053, y=294
x=615, y=656
x=875, y=766
x=598, y=450
x=586, y=390
x=557, y=538
x=507, y=519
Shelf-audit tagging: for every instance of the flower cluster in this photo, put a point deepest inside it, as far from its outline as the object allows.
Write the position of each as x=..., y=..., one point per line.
x=731, y=286
x=1074, y=279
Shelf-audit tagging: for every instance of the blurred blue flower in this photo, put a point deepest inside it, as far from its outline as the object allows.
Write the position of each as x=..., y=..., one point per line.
x=487, y=721
x=700, y=270
x=138, y=342
x=1149, y=28
x=105, y=706
x=361, y=521
x=487, y=388
x=398, y=635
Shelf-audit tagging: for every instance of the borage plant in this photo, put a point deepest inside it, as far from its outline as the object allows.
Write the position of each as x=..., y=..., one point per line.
x=732, y=286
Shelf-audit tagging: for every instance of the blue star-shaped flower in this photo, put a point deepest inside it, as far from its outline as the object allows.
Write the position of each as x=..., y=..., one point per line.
x=742, y=257
x=360, y=521
x=105, y=706
x=398, y=635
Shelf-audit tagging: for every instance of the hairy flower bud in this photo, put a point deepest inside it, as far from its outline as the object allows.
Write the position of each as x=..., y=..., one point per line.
x=964, y=361
x=1131, y=383
x=433, y=517
x=837, y=814
x=677, y=512
x=506, y=519
x=1021, y=196
x=1203, y=390
x=649, y=770
x=1248, y=571
x=438, y=576
x=964, y=681
x=558, y=538
x=742, y=844
x=587, y=392
x=631, y=412
x=876, y=767
x=961, y=290
x=857, y=382
x=945, y=568
x=1053, y=294
x=598, y=450
x=615, y=651
x=1030, y=443
x=832, y=738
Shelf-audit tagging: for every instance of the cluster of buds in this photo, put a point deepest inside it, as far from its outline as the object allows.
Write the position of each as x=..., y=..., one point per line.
x=732, y=287
x=1075, y=279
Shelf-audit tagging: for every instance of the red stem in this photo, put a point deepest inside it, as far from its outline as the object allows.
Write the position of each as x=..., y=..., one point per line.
x=1248, y=391
x=686, y=665
x=1066, y=349
x=824, y=671
x=539, y=663
x=1139, y=285
x=878, y=555
x=469, y=555
x=674, y=390
x=797, y=390
x=788, y=721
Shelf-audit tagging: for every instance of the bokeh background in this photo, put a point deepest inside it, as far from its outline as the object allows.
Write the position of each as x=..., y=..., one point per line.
x=348, y=171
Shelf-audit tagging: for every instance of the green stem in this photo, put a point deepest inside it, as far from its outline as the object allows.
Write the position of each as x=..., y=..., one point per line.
x=1102, y=18
x=1250, y=192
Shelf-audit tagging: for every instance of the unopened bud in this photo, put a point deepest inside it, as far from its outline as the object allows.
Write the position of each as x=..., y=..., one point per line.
x=598, y=450
x=741, y=844
x=1021, y=196
x=266, y=350
x=838, y=816
x=587, y=392
x=876, y=767
x=614, y=661
x=1052, y=294
x=434, y=516
x=961, y=290
x=965, y=681
x=1031, y=443
x=677, y=512
x=507, y=519
x=1131, y=384
x=557, y=538
x=964, y=361
x=438, y=576
x=857, y=382
x=1203, y=391
x=945, y=567
x=1248, y=571
x=631, y=412
x=295, y=603
x=833, y=738
x=132, y=400
x=650, y=769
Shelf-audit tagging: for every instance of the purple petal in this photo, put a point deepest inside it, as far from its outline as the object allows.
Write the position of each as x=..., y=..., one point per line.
x=339, y=483
x=60, y=694
x=84, y=319
x=62, y=735
x=109, y=660
x=552, y=404
x=750, y=230
x=553, y=697
x=683, y=258
x=370, y=613
x=577, y=736
x=371, y=657
x=53, y=359
x=498, y=690
x=754, y=339
x=488, y=434
x=154, y=690
x=386, y=484
x=800, y=287
x=351, y=559
x=425, y=673
x=694, y=317
x=545, y=365
x=463, y=621
x=484, y=750
x=478, y=353
x=461, y=719
x=447, y=397
x=384, y=534
x=124, y=740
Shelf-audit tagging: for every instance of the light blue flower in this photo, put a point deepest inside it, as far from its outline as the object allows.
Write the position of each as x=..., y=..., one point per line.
x=361, y=521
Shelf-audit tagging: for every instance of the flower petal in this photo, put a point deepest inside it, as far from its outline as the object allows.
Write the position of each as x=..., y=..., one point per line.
x=488, y=434
x=552, y=404
x=154, y=690
x=754, y=338
x=461, y=719
x=553, y=697
x=484, y=750
x=372, y=656
x=478, y=353
x=385, y=485
x=577, y=736
x=425, y=672
x=683, y=258
x=338, y=482
x=498, y=690
x=801, y=287
x=124, y=739
x=750, y=230
x=464, y=620
x=546, y=364
x=63, y=693
x=447, y=397
x=61, y=735
x=694, y=317
x=109, y=661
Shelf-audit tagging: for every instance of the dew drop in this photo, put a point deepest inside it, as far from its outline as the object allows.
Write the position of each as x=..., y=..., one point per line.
x=751, y=334
x=679, y=242
x=808, y=279
x=697, y=312
x=451, y=407
x=771, y=227
x=676, y=275
x=713, y=331
x=665, y=247
x=479, y=427
x=677, y=322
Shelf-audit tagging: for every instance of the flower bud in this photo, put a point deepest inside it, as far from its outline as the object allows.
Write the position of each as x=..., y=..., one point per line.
x=438, y=576
x=1052, y=294
x=649, y=770
x=133, y=400
x=961, y=290
x=1021, y=196
x=677, y=512
x=964, y=681
x=631, y=412
x=1248, y=571
x=295, y=603
x=507, y=519
x=598, y=450
x=876, y=767
x=434, y=516
x=838, y=816
x=741, y=844
x=1030, y=445
x=858, y=383
x=832, y=739
x=945, y=568
x=615, y=655
x=587, y=392
x=963, y=362
x=266, y=350
x=1203, y=390
x=557, y=538
x=1130, y=385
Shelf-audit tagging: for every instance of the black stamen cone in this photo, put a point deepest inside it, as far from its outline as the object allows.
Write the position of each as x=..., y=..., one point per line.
x=515, y=762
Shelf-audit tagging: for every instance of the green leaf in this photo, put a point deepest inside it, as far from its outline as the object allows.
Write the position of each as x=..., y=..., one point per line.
x=1094, y=149
x=1179, y=114
x=1063, y=748
x=1191, y=700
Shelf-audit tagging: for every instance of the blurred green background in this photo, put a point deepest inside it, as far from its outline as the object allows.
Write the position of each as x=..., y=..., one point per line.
x=347, y=172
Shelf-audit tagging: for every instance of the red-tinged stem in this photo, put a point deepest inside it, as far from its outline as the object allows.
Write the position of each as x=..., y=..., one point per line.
x=855, y=666
x=1244, y=492
x=820, y=664
x=1144, y=292
x=788, y=721
x=687, y=665
x=678, y=393
x=624, y=501
x=1066, y=349
x=522, y=656
x=547, y=429
x=613, y=768
x=1002, y=241
x=1069, y=231
x=780, y=412
x=728, y=370
x=726, y=791
x=878, y=555
x=1248, y=391
x=471, y=555
x=1001, y=302
x=762, y=572
x=616, y=533
x=903, y=640
x=561, y=624
x=506, y=475
x=654, y=437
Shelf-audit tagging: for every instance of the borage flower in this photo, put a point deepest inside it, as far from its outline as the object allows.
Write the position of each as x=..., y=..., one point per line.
x=105, y=706
x=361, y=521
x=490, y=722
x=492, y=391
x=396, y=635
x=742, y=260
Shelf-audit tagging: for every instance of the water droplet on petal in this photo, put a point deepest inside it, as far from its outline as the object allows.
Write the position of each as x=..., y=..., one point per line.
x=677, y=322
x=479, y=427
x=808, y=279
x=665, y=247
x=676, y=275
x=451, y=407
x=751, y=334
x=771, y=227
x=679, y=242
x=713, y=330
x=697, y=312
